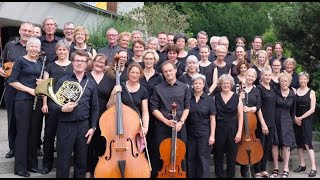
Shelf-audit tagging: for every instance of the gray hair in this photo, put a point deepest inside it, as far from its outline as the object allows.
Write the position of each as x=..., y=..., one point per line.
x=33, y=40
x=192, y=58
x=150, y=39
x=214, y=38
x=198, y=76
x=304, y=74
x=226, y=77
x=290, y=60
x=48, y=18
x=137, y=32
x=63, y=43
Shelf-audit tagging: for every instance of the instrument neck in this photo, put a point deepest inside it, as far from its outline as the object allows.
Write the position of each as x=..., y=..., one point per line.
x=173, y=147
x=119, y=106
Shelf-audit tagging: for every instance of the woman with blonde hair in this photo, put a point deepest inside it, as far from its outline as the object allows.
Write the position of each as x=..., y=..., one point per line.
x=260, y=63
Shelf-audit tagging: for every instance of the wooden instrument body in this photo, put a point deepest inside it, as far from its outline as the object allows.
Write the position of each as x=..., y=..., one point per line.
x=7, y=67
x=121, y=147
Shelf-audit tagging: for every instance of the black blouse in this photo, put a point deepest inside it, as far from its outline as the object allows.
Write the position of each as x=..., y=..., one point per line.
x=268, y=104
x=227, y=113
x=137, y=97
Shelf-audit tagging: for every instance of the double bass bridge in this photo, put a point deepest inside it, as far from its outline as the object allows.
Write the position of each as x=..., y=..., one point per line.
x=121, y=149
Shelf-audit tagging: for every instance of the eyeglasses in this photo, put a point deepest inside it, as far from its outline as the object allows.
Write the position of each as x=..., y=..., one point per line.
x=79, y=61
x=113, y=35
x=49, y=24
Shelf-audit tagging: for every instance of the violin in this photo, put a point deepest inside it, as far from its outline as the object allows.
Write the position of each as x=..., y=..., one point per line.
x=172, y=152
x=7, y=67
x=250, y=150
x=120, y=126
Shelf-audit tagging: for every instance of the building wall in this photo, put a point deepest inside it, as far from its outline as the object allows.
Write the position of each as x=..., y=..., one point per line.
x=124, y=7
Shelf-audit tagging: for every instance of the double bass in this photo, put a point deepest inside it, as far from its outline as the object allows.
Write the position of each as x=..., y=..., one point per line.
x=121, y=158
x=250, y=150
x=172, y=152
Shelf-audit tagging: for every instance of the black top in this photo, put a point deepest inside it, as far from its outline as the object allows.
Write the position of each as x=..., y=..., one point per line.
x=104, y=88
x=137, y=97
x=183, y=59
x=257, y=81
x=26, y=72
x=131, y=60
x=295, y=80
x=303, y=105
x=227, y=113
x=88, y=105
x=88, y=49
x=181, y=68
x=124, y=75
x=49, y=48
x=56, y=71
x=268, y=105
x=196, y=51
x=154, y=80
x=12, y=51
x=234, y=71
x=223, y=70
x=163, y=56
x=253, y=98
x=185, y=78
x=198, y=121
x=208, y=73
x=164, y=95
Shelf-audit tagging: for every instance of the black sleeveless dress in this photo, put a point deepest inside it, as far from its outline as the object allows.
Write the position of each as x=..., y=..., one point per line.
x=303, y=133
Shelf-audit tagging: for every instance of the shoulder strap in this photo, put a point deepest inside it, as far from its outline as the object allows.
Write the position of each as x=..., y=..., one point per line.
x=134, y=105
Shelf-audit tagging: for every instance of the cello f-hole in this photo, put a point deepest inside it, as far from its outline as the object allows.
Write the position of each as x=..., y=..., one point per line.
x=110, y=144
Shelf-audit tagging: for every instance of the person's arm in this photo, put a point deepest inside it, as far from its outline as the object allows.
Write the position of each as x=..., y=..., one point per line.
x=212, y=129
x=264, y=126
x=214, y=80
x=45, y=108
x=113, y=97
x=145, y=116
x=240, y=121
x=312, y=106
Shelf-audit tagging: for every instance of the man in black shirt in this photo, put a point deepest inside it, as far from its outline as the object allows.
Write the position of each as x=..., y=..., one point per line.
x=76, y=121
x=169, y=91
x=12, y=51
x=49, y=39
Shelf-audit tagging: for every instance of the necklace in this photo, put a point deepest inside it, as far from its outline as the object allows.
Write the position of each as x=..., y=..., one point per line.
x=64, y=69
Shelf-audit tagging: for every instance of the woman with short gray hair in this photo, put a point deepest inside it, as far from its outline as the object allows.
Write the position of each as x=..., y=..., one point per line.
x=201, y=125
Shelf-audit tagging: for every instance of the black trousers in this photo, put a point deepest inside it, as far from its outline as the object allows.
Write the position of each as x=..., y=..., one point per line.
x=162, y=132
x=50, y=130
x=152, y=146
x=28, y=121
x=225, y=141
x=96, y=148
x=71, y=138
x=198, y=157
x=8, y=98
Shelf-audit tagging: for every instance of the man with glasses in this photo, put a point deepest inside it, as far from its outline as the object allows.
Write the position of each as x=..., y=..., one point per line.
x=49, y=39
x=76, y=121
x=68, y=31
x=112, y=48
x=12, y=51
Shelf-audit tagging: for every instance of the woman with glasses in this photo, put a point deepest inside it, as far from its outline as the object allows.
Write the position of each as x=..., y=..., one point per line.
x=276, y=70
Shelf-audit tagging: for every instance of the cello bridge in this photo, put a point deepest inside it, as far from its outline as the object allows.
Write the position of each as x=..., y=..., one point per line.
x=247, y=139
x=172, y=171
x=121, y=149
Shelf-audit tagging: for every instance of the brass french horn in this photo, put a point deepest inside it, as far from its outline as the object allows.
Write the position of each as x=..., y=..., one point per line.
x=70, y=91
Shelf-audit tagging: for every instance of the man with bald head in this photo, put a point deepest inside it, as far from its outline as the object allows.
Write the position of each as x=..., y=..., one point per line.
x=112, y=48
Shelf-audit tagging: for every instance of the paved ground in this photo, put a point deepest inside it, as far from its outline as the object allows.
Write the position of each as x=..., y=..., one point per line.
x=6, y=165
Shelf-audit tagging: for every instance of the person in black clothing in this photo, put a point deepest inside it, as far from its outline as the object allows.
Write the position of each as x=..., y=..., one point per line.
x=305, y=108
x=138, y=46
x=285, y=114
x=77, y=121
x=278, y=51
x=266, y=114
x=149, y=80
x=25, y=73
x=229, y=122
x=169, y=91
x=252, y=103
x=57, y=69
x=138, y=93
x=201, y=125
x=104, y=85
x=49, y=39
x=111, y=71
x=192, y=69
x=181, y=40
x=11, y=52
x=289, y=67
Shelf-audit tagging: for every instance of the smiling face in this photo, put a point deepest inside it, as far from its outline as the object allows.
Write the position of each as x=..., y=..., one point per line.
x=149, y=60
x=26, y=31
x=33, y=50
x=134, y=74
x=62, y=52
x=99, y=64
x=169, y=72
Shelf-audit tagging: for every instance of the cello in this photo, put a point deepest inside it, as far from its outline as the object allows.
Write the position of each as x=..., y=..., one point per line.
x=250, y=150
x=121, y=158
x=172, y=152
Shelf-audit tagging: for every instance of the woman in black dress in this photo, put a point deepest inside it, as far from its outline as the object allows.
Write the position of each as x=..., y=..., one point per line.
x=289, y=67
x=285, y=113
x=252, y=103
x=229, y=123
x=305, y=108
x=104, y=85
x=276, y=70
x=181, y=40
x=266, y=114
x=149, y=80
x=208, y=69
x=260, y=63
x=239, y=57
x=201, y=125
